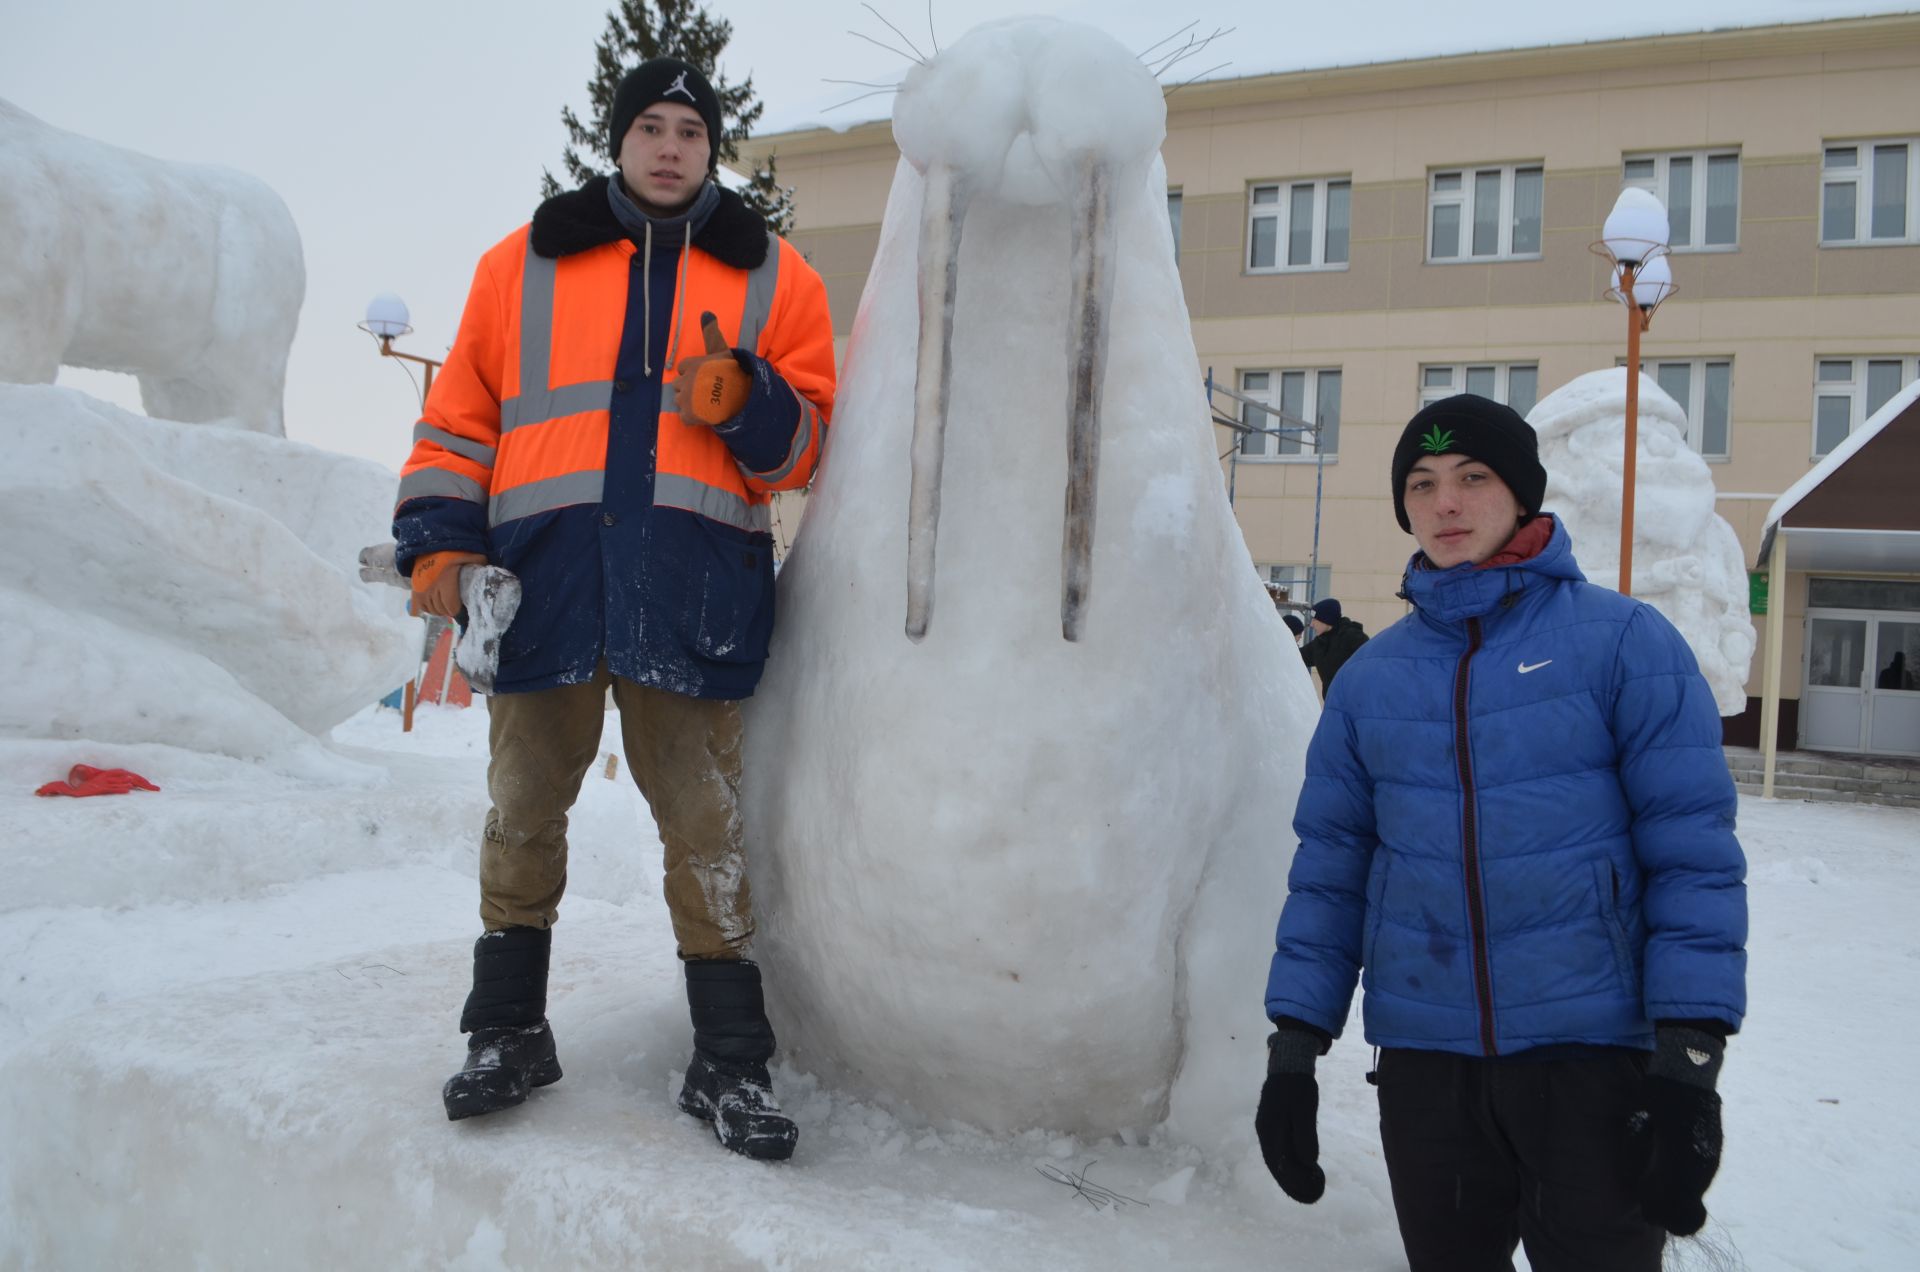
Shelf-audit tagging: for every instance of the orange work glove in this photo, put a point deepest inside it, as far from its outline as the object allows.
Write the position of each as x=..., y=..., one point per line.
x=714, y=386
x=84, y=779
x=436, y=582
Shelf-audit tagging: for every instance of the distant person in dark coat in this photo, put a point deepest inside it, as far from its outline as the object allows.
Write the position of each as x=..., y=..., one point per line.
x=1336, y=638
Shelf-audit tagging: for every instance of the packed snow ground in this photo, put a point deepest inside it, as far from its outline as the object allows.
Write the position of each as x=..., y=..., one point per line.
x=229, y=1007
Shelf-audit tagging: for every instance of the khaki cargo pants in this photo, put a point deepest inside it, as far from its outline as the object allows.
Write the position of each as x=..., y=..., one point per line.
x=684, y=754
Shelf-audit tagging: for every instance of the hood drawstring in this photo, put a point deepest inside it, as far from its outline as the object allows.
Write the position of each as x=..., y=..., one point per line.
x=646, y=304
x=680, y=298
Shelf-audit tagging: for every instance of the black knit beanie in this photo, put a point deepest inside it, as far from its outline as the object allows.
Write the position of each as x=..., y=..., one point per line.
x=664, y=79
x=1489, y=431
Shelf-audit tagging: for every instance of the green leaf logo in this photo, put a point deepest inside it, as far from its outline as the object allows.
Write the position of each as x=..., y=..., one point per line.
x=1437, y=442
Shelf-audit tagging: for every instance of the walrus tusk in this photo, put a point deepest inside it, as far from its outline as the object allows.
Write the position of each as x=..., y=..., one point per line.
x=1093, y=257
x=941, y=215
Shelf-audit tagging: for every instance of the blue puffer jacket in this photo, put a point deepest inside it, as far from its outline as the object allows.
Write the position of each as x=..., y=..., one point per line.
x=1518, y=820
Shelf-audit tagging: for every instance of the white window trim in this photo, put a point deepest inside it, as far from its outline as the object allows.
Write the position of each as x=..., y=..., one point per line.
x=1176, y=197
x=1310, y=402
x=1300, y=570
x=1457, y=381
x=1659, y=185
x=1696, y=405
x=1464, y=197
x=1854, y=388
x=1861, y=174
x=1281, y=214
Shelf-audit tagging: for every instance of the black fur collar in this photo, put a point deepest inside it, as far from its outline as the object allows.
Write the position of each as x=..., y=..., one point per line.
x=581, y=219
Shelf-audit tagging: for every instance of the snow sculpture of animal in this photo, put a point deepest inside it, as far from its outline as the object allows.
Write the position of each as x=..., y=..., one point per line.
x=1003, y=877
x=184, y=275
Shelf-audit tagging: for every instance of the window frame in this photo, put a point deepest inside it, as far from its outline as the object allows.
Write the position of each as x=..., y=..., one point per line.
x=1503, y=376
x=1310, y=404
x=1696, y=405
x=1855, y=390
x=1281, y=213
x=1661, y=184
x=1860, y=174
x=1176, y=204
x=1319, y=582
x=1464, y=197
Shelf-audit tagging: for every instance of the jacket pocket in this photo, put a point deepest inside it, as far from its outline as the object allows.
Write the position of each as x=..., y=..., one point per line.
x=1376, y=910
x=721, y=601
x=1606, y=886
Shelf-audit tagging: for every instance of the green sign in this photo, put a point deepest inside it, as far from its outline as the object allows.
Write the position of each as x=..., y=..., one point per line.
x=1756, y=591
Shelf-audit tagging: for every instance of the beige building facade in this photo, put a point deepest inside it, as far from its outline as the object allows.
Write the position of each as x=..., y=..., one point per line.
x=1353, y=242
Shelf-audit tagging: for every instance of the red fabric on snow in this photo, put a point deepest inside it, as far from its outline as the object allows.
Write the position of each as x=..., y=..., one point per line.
x=84, y=779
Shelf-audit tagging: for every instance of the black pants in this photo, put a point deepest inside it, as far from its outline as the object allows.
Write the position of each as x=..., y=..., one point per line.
x=1485, y=1154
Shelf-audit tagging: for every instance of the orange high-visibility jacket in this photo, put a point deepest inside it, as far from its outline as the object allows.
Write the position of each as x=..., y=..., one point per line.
x=550, y=441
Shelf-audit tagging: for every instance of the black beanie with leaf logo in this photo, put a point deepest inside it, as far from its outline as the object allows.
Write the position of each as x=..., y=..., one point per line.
x=1489, y=431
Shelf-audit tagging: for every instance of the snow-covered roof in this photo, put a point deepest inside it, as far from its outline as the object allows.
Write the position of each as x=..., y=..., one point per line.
x=1838, y=457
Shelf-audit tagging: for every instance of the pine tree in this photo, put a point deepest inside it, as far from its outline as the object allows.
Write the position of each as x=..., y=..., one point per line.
x=636, y=31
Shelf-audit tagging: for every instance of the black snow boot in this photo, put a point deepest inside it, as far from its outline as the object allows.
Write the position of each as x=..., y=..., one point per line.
x=509, y=1045
x=727, y=1081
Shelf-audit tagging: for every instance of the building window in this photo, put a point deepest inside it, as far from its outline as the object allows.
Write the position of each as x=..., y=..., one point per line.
x=1515, y=383
x=1311, y=394
x=1303, y=584
x=1701, y=189
x=1868, y=190
x=1704, y=389
x=1173, y=220
x=1485, y=214
x=1299, y=225
x=1848, y=391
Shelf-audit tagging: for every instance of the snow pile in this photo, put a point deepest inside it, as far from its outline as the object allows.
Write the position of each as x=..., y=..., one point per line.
x=1004, y=878
x=246, y=1077
x=1687, y=561
x=184, y=586
x=186, y=275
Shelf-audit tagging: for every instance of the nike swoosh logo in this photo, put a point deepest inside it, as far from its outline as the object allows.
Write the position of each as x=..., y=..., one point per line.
x=1527, y=667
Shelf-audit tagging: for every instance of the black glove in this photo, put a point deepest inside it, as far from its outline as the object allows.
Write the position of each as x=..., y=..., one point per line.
x=1673, y=1135
x=1287, y=1119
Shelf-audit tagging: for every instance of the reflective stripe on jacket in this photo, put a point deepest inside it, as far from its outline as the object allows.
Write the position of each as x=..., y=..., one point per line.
x=550, y=442
x=1518, y=820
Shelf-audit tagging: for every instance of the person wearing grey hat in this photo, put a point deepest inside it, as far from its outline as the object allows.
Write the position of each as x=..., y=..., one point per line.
x=638, y=370
x=1516, y=834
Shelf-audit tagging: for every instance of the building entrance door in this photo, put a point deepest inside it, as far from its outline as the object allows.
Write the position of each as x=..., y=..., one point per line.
x=1861, y=691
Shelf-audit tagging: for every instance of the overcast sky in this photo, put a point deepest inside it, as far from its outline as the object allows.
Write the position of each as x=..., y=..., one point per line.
x=409, y=136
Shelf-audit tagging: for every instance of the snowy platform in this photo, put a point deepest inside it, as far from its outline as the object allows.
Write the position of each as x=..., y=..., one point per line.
x=249, y=1077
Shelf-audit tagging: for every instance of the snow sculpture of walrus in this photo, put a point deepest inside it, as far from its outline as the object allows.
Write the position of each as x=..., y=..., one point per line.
x=1018, y=866
x=184, y=275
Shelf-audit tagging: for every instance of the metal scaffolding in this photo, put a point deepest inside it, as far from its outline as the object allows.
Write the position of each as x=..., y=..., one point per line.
x=1284, y=425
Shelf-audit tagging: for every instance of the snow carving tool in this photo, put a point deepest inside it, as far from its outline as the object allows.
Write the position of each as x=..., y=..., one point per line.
x=491, y=597
x=941, y=217
x=1094, y=248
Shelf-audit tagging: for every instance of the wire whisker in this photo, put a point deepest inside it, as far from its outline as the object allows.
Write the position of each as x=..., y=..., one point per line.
x=1210, y=70
x=918, y=55
x=888, y=47
x=827, y=79
x=1142, y=54
x=861, y=98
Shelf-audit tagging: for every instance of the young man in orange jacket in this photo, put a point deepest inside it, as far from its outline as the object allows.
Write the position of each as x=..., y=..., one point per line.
x=636, y=372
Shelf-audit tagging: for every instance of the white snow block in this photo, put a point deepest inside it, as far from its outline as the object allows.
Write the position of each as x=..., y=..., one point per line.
x=1003, y=878
x=185, y=275
x=208, y=575
x=1687, y=561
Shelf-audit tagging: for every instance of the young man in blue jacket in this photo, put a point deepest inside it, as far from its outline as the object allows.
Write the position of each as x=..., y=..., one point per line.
x=1517, y=830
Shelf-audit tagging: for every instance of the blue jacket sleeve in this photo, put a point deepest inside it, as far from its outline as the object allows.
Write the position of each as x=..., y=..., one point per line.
x=1674, y=776
x=1317, y=947
x=762, y=436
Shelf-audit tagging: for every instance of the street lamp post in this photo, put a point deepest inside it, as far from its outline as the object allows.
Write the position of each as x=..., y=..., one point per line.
x=386, y=319
x=1634, y=244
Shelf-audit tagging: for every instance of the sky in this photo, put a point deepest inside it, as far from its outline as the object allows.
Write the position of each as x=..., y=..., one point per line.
x=408, y=137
